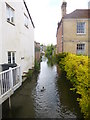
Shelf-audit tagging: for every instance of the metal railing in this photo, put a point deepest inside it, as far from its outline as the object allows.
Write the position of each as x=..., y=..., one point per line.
x=10, y=80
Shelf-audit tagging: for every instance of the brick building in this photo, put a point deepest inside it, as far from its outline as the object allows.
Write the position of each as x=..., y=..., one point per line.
x=37, y=50
x=73, y=31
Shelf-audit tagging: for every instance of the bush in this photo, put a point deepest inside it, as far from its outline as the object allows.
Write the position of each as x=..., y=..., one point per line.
x=36, y=66
x=76, y=68
x=60, y=56
x=29, y=74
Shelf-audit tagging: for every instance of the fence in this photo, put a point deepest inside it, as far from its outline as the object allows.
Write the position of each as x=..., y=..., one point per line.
x=10, y=80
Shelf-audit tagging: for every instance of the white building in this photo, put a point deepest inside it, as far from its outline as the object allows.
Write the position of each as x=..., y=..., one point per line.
x=16, y=34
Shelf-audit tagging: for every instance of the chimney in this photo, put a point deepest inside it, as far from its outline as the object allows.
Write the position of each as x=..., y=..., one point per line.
x=63, y=8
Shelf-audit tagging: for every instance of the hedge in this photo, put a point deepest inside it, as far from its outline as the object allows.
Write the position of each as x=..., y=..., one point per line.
x=76, y=68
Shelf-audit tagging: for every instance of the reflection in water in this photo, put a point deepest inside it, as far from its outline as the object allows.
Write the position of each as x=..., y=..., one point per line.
x=56, y=101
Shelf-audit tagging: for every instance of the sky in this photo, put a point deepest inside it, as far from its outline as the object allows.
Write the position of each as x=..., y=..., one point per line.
x=46, y=14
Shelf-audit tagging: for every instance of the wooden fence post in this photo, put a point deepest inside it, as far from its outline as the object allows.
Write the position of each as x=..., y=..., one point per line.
x=0, y=84
x=11, y=78
x=11, y=85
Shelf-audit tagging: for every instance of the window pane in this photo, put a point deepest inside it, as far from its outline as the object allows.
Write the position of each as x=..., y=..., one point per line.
x=81, y=27
x=12, y=15
x=80, y=48
x=13, y=57
x=8, y=12
x=25, y=20
x=9, y=57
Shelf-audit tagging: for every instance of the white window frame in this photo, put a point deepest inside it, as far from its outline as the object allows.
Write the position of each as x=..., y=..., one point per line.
x=11, y=61
x=10, y=14
x=80, y=48
x=78, y=26
x=26, y=21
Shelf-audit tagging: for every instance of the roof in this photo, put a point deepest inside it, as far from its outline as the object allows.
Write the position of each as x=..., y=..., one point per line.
x=28, y=13
x=78, y=13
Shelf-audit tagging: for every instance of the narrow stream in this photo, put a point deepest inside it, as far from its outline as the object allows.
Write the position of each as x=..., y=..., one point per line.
x=56, y=101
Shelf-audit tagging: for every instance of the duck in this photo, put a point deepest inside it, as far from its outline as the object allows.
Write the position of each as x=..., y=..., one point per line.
x=42, y=89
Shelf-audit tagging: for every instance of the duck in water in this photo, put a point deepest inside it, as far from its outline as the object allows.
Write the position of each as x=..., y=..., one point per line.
x=42, y=89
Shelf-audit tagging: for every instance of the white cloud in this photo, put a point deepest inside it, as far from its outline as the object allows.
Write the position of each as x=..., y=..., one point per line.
x=47, y=13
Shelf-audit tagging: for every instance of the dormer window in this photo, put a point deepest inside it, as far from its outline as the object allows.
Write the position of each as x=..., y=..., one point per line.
x=25, y=20
x=80, y=27
x=10, y=14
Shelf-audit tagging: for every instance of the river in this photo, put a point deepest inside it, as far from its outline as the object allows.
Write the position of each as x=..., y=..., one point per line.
x=56, y=101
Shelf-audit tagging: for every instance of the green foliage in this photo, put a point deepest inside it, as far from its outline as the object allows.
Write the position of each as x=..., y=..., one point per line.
x=29, y=74
x=76, y=68
x=49, y=51
x=60, y=56
x=36, y=66
x=51, y=61
x=35, y=70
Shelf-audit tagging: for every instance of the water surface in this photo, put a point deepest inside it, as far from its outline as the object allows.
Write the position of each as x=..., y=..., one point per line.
x=56, y=101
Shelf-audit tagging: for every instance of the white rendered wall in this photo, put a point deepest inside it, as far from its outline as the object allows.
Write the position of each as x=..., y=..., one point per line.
x=18, y=38
x=0, y=33
x=0, y=36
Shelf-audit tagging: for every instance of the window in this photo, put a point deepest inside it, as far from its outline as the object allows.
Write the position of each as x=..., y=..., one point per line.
x=11, y=57
x=80, y=48
x=80, y=27
x=10, y=14
x=25, y=20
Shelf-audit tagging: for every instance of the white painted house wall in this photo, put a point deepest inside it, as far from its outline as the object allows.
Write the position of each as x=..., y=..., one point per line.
x=0, y=37
x=17, y=38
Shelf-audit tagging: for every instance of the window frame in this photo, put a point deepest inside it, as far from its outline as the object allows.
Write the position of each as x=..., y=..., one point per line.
x=9, y=57
x=11, y=15
x=80, y=47
x=81, y=33
x=12, y=57
x=26, y=24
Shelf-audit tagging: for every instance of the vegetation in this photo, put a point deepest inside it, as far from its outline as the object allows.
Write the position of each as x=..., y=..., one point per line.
x=76, y=68
x=50, y=54
x=29, y=74
x=60, y=57
x=36, y=66
x=35, y=70
x=49, y=51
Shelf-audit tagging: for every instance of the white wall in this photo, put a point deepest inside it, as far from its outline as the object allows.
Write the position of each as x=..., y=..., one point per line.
x=18, y=38
x=0, y=33
x=0, y=37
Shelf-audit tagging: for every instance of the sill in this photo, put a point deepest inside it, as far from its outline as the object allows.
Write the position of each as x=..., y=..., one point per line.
x=81, y=33
x=11, y=23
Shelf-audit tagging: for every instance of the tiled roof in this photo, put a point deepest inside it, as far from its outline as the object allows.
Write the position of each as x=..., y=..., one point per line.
x=78, y=13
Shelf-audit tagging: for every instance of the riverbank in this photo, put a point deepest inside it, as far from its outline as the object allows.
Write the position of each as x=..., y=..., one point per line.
x=54, y=102
x=76, y=68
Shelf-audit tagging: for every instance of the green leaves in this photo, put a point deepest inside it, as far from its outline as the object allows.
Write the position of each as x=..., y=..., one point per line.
x=76, y=68
x=49, y=51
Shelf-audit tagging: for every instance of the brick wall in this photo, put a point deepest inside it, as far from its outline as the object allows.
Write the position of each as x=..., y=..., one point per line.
x=59, y=39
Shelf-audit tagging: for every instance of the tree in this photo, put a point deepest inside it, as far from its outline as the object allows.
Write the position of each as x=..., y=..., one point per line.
x=49, y=51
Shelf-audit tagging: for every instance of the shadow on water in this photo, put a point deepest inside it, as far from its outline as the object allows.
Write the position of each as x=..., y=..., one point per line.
x=56, y=101
x=68, y=98
x=22, y=101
